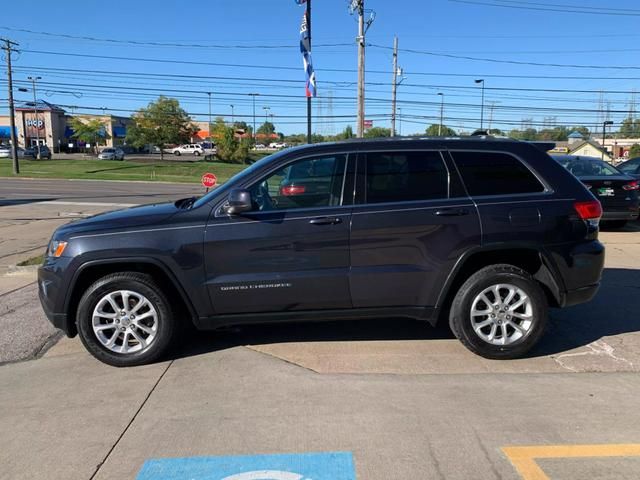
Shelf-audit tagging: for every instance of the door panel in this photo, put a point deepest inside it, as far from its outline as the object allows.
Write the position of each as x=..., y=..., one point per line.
x=403, y=251
x=278, y=261
x=292, y=251
x=401, y=256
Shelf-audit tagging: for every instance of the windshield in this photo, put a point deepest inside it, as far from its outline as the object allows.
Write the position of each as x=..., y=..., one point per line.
x=588, y=167
x=237, y=178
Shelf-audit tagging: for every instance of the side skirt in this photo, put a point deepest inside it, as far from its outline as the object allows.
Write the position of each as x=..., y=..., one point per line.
x=428, y=314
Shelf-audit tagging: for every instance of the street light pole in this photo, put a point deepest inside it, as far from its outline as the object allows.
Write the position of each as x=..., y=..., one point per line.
x=209, y=129
x=254, y=95
x=604, y=133
x=35, y=111
x=266, y=113
x=481, y=80
x=441, y=113
x=233, y=120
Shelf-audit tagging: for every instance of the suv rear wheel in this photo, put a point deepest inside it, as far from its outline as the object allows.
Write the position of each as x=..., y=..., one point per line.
x=124, y=319
x=500, y=312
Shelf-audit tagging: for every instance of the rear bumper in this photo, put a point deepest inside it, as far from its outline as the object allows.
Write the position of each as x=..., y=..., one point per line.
x=580, y=269
x=580, y=295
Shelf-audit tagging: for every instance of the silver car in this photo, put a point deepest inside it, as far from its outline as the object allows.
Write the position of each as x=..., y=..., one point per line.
x=111, y=154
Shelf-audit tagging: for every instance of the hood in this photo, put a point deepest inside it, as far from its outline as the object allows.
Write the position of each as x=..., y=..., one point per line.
x=130, y=217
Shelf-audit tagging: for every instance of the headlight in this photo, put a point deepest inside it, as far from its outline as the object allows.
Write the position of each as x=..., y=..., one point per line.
x=56, y=248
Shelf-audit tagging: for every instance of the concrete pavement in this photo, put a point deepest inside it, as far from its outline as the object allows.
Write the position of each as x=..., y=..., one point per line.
x=406, y=400
x=69, y=417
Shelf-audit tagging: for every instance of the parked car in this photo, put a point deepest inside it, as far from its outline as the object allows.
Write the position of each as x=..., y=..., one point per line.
x=631, y=167
x=260, y=146
x=5, y=152
x=111, y=154
x=482, y=233
x=188, y=149
x=617, y=191
x=32, y=152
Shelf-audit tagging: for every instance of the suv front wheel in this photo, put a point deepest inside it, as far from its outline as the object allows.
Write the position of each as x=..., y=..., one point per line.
x=124, y=319
x=500, y=312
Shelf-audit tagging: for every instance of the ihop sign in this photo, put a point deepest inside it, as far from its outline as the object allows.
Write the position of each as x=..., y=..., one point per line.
x=35, y=123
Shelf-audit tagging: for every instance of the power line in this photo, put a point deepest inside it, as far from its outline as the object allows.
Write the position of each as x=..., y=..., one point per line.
x=168, y=44
x=549, y=8
x=511, y=62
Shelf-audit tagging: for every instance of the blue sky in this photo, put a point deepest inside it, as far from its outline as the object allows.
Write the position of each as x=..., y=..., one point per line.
x=213, y=32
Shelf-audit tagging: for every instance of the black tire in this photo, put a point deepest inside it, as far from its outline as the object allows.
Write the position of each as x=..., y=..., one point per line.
x=177, y=153
x=139, y=283
x=460, y=315
x=196, y=153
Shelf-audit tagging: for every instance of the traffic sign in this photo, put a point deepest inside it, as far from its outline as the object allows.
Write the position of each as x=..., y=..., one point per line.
x=209, y=180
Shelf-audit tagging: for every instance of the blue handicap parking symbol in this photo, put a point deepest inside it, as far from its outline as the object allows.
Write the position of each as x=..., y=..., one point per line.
x=301, y=466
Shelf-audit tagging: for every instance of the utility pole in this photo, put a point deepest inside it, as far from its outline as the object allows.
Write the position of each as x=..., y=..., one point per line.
x=35, y=111
x=266, y=113
x=8, y=47
x=309, y=133
x=209, y=129
x=481, y=80
x=394, y=86
x=233, y=120
x=493, y=104
x=604, y=134
x=254, y=95
x=361, y=45
x=441, y=113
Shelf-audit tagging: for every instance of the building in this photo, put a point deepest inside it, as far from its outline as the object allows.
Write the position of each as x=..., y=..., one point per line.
x=590, y=148
x=48, y=124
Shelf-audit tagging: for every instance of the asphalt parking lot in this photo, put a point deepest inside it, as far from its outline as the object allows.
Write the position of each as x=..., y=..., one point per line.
x=382, y=399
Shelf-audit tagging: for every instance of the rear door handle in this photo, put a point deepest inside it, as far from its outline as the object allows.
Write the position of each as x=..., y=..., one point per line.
x=451, y=212
x=325, y=221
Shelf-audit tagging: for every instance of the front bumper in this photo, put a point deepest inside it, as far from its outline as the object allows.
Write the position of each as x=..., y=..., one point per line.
x=52, y=289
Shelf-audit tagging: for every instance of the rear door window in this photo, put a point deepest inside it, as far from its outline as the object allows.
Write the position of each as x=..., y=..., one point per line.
x=495, y=173
x=405, y=176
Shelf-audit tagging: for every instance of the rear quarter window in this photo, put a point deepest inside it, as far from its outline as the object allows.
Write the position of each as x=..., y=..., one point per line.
x=495, y=173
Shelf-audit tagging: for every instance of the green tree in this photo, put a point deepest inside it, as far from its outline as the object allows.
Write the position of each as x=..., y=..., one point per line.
x=267, y=128
x=377, y=132
x=346, y=133
x=160, y=123
x=630, y=128
x=558, y=134
x=634, y=151
x=435, y=131
x=528, y=134
x=229, y=148
x=92, y=131
x=584, y=131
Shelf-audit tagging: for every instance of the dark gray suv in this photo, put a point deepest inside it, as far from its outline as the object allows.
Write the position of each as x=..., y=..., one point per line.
x=483, y=233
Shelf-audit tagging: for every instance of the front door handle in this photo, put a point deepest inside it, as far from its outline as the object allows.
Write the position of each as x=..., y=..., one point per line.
x=325, y=221
x=451, y=212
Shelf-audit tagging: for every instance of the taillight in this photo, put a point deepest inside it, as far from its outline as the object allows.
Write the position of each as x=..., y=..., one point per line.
x=289, y=190
x=631, y=186
x=591, y=210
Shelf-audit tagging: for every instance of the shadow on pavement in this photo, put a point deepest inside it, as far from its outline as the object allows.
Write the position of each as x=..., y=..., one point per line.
x=612, y=312
x=6, y=202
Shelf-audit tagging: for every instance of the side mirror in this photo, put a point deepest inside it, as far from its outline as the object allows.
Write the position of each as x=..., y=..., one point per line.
x=239, y=201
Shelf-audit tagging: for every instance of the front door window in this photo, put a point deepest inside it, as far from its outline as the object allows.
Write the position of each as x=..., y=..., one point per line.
x=309, y=183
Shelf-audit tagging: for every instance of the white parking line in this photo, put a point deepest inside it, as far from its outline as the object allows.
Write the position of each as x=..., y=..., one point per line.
x=89, y=204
